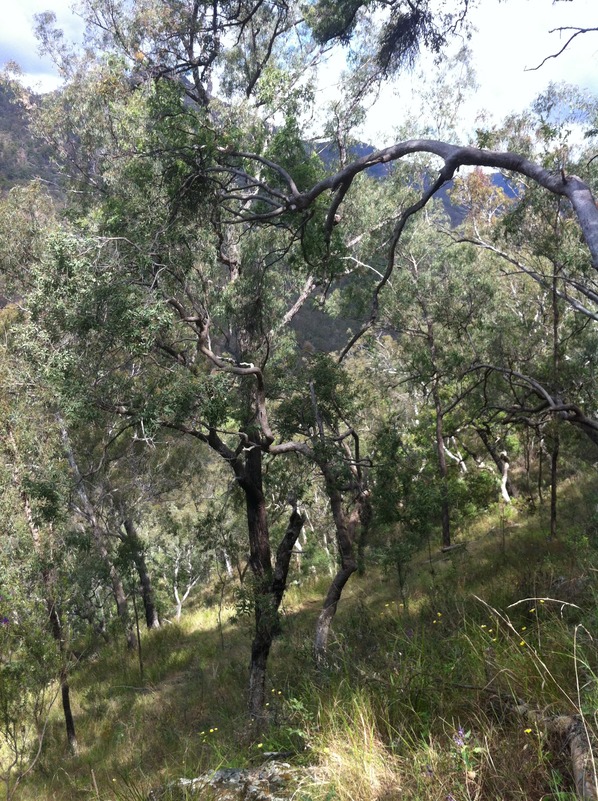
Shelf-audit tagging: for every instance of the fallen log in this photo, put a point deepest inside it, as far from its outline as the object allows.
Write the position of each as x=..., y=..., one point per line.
x=572, y=730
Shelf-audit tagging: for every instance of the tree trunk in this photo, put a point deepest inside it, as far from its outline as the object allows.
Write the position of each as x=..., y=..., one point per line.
x=65, y=690
x=151, y=615
x=501, y=461
x=269, y=584
x=554, y=458
x=442, y=470
x=345, y=535
x=260, y=561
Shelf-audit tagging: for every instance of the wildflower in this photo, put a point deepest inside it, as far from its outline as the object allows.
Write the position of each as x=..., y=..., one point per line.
x=522, y=643
x=434, y=622
x=459, y=737
x=494, y=639
x=211, y=731
x=4, y=621
x=268, y=704
x=260, y=745
x=280, y=692
x=438, y=614
x=541, y=600
x=201, y=733
x=528, y=731
x=532, y=610
x=523, y=628
x=490, y=631
x=483, y=625
x=386, y=604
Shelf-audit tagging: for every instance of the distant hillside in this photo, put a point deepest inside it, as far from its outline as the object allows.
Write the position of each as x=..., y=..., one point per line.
x=22, y=156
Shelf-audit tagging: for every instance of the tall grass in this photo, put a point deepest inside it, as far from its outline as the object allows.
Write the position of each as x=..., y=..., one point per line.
x=418, y=702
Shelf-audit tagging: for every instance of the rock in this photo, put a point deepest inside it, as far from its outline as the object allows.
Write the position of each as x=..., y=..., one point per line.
x=274, y=781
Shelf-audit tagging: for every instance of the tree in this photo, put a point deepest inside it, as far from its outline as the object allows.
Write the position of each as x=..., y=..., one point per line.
x=199, y=231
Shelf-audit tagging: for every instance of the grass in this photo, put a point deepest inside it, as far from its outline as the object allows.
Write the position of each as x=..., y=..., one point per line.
x=418, y=702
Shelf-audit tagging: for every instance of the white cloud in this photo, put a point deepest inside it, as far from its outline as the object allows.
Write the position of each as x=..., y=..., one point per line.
x=18, y=42
x=510, y=38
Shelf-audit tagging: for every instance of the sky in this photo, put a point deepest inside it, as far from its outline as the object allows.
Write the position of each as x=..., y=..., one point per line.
x=511, y=37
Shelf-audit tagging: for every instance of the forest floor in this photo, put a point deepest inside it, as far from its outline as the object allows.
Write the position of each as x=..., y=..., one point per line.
x=419, y=701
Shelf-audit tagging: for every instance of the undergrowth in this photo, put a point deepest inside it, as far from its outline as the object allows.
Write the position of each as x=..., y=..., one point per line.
x=421, y=697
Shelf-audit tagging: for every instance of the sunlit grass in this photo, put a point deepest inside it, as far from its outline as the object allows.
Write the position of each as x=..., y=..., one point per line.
x=419, y=700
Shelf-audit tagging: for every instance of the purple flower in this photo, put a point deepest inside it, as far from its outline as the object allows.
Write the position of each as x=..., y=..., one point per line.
x=459, y=737
x=4, y=621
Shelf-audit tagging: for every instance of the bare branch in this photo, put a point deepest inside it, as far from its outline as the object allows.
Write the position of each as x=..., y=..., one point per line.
x=578, y=31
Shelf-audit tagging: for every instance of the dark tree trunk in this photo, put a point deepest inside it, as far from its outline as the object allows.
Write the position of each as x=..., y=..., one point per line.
x=269, y=584
x=122, y=604
x=65, y=690
x=554, y=458
x=151, y=615
x=442, y=470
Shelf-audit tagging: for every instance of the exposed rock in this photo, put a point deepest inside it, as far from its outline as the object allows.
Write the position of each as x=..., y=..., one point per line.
x=274, y=781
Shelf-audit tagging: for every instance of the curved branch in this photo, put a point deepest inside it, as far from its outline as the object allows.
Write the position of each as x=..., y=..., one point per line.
x=578, y=31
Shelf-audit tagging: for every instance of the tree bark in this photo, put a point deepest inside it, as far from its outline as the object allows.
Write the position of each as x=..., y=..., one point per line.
x=554, y=459
x=442, y=470
x=270, y=584
x=147, y=594
x=345, y=536
x=501, y=461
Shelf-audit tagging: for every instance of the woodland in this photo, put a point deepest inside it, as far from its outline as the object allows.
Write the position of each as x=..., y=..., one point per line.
x=298, y=436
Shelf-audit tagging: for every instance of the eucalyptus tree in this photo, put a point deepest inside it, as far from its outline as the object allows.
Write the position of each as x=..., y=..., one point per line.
x=199, y=230
x=35, y=517
x=155, y=303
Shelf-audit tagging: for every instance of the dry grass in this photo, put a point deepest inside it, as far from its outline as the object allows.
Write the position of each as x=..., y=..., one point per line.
x=414, y=705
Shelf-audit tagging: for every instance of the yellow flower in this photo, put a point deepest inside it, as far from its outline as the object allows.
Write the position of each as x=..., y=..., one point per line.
x=523, y=628
x=280, y=692
x=528, y=731
x=434, y=622
x=494, y=639
x=490, y=631
x=483, y=625
x=386, y=604
x=541, y=600
x=532, y=610
x=260, y=745
x=522, y=642
x=438, y=614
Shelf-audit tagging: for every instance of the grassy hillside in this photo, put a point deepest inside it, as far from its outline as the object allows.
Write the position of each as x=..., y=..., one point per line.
x=419, y=700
